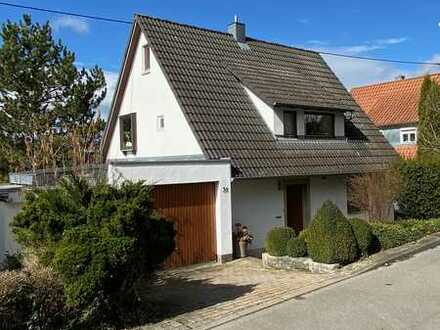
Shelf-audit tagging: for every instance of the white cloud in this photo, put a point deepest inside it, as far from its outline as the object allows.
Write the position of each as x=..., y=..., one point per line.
x=356, y=72
x=112, y=79
x=78, y=25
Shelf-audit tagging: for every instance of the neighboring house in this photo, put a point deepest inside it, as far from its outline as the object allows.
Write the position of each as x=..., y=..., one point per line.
x=234, y=130
x=392, y=106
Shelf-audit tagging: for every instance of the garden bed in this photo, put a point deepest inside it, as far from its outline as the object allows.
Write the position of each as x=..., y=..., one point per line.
x=302, y=263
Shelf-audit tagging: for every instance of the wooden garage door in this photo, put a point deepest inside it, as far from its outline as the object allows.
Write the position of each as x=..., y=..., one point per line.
x=192, y=208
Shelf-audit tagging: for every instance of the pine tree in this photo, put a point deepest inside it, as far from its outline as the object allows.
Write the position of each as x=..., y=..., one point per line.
x=428, y=130
x=43, y=98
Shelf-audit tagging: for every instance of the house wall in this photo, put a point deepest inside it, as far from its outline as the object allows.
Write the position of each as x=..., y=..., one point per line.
x=187, y=172
x=260, y=204
x=149, y=96
x=323, y=188
x=8, y=210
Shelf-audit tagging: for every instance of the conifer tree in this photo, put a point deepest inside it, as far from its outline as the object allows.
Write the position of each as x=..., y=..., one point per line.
x=44, y=98
x=428, y=130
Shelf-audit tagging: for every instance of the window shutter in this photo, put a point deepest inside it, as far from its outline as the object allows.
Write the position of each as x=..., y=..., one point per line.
x=134, y=132
x=121, y=134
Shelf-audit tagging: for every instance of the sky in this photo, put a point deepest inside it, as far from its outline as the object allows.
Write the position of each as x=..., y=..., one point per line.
x=404, y=30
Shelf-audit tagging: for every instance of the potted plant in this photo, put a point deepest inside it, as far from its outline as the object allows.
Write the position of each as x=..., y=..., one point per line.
x=244, y=239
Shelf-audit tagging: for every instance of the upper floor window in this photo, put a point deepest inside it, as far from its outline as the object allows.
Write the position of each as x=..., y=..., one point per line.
x=289, y=121
x=127, y=130
x=160, y=123
x=319, y=124
x=146, y=59
x=408, y=136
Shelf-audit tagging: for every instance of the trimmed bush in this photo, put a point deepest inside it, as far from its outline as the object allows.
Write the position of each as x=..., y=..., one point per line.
x=330, y=238
x=420, y=195
x=364, y=236
x=276, y=241
x=296, y=247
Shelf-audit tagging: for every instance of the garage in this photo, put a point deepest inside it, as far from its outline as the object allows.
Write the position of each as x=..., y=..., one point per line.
x=192, y=208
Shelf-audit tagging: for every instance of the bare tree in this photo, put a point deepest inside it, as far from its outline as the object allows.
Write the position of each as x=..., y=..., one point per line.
x=375, y=192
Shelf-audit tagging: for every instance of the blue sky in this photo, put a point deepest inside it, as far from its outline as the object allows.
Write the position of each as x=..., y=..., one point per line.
x=404, y=29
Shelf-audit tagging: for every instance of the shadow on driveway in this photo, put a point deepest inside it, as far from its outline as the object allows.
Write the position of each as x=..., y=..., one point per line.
x=174, y=294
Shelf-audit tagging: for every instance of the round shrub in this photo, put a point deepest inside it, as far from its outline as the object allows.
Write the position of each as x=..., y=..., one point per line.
x=296, y=247
x=364, y=236
x=276, y=241
x=330, y=238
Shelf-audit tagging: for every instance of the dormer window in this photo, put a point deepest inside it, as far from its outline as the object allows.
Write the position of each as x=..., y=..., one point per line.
x=321, y=125
x=290, y=126
x=127, y=130
x=408, y=136
x=146, y=59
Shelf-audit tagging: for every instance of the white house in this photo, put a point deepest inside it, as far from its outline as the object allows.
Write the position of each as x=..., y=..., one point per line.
x=234, y=130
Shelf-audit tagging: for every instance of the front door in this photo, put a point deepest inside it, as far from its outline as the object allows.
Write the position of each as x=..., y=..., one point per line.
x=295, y=207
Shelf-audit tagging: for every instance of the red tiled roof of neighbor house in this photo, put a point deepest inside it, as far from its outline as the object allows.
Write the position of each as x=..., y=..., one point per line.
x=392, y=103
x=406, y=151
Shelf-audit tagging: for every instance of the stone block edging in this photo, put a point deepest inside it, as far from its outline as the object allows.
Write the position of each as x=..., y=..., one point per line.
x=289, y=263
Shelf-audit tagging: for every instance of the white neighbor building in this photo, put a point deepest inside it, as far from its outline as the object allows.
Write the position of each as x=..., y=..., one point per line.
x=234, y=130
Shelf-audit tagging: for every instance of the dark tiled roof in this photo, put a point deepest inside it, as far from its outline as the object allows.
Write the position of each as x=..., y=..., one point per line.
x=392, y=103
x=206, y=70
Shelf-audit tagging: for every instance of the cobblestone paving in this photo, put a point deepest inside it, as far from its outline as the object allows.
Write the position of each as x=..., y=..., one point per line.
x=201, y=297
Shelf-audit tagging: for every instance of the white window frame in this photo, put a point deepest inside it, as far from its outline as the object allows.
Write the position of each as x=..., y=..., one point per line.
x=146, y=67
x=160, y=123
x=408, y=132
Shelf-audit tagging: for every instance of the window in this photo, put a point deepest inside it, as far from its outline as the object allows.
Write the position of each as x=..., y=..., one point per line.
x=160, y=123
x=289, y=121
x=408, y=136
x=127, y=130
x=146, y=59
x=319, y=124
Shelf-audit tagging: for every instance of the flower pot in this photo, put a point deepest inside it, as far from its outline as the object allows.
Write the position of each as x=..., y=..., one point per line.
x=243, y=248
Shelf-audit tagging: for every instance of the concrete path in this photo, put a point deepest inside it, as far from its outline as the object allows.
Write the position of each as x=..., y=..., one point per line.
x=405, y=295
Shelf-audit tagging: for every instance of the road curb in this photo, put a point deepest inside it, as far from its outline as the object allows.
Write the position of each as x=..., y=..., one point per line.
x=378, y=260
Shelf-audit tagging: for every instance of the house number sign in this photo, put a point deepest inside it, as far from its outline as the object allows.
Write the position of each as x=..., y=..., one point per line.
x=225, y=190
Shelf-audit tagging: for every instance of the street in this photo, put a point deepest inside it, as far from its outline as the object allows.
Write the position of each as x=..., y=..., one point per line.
x=404, y=295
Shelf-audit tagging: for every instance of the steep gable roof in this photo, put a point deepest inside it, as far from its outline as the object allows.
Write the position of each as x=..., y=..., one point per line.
x=207, y=70
x=392, y=103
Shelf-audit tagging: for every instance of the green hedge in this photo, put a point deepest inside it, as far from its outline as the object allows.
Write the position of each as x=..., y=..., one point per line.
x=296, y=247
x=420, y=195
x=330, y=238
x=276, y=241
x=398, y=233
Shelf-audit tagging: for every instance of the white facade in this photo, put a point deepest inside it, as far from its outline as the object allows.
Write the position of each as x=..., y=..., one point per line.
x=260, y=204
x=8, y=210
x=187, y=172
x=150, y=96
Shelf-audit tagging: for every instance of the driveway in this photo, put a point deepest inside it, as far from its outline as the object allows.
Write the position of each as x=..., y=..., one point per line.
x=405, y=295
x=196, y=298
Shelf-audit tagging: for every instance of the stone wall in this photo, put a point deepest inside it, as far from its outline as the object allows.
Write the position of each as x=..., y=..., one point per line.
x=289, y=263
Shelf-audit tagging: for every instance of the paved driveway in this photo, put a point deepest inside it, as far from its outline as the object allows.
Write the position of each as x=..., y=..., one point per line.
x=200, y=297
x=405, y=295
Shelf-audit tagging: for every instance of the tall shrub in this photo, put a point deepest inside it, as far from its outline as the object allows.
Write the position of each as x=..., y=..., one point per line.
x=100, y=240
x=428, y=132
x=420, y=195
x=330, y=238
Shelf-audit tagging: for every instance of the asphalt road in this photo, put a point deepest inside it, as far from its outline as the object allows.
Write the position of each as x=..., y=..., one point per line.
x=404, y=295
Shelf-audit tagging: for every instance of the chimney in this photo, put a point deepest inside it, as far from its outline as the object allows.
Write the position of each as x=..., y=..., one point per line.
x=238, y=30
